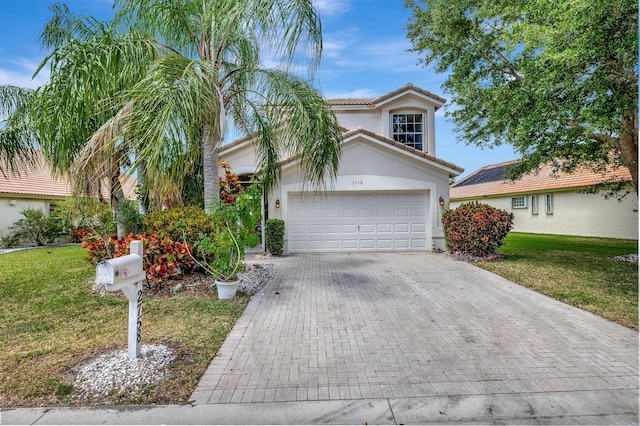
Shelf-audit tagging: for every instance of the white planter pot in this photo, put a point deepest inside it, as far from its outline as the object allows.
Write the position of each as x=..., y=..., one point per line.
x=226, y=290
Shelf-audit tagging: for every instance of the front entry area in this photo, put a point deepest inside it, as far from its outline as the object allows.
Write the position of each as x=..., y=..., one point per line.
x=358, y=221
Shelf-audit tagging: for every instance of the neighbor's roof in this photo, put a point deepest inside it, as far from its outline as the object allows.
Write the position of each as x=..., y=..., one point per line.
x=490, y=180
x=375, y=101
x=38, y=180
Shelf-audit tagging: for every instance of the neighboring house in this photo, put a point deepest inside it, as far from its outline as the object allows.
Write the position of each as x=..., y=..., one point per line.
x=37, y=188
x=549, y=203
x=391, y=188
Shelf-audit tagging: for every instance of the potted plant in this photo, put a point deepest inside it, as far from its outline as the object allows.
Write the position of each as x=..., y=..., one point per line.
x=223, y=254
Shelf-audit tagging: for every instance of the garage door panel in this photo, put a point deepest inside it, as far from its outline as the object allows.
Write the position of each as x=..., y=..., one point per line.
x=367, y=212
x=400, y=212
x=358, y=221
x=367, y=228
x=369, y=244
x=332, y=244
x=332, y=229
x=418, y=227
x=384, y=228
x=385, y=244
x=349, y=229
x=384, y=213
x=315, y=229
x=418, y=244
x=349, y=244
x=401, y=227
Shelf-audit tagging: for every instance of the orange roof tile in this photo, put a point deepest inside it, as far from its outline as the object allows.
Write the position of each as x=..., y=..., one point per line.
x=374, y=101
x=490, y=181
x=37, y=179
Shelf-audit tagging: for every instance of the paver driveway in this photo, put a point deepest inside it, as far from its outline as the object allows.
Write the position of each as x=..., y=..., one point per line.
x=358, y=326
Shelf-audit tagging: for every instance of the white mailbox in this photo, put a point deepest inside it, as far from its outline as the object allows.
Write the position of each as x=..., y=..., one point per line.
x=120, y=272
x=126, y=273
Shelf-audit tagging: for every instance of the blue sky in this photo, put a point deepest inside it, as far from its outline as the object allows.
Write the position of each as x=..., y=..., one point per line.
x=365, y=55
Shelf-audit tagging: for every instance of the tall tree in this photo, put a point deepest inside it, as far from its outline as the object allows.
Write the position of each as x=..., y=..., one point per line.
x=91, y=63
x=212, y=73
x=557, y=79
x=16, y=139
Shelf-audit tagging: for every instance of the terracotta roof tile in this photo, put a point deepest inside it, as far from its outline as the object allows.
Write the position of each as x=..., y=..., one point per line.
x=38, y=180
x=374, y=101
x=490, y=181
x=402, y=146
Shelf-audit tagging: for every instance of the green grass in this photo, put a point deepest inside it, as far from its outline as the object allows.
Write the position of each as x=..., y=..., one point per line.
x=50, y=321
x=579, y=271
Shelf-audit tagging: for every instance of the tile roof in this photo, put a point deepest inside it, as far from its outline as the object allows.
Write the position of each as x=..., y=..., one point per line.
x=490, y=180
x=38, y=180
x=360, y=130
x=374, y=101
x=350, y=101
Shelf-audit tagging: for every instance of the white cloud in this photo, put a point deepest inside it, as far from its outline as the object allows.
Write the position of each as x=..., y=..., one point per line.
x=332, y=7
x=20, y=74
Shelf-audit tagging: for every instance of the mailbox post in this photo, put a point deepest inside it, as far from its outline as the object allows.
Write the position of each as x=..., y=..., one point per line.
x=126, y=273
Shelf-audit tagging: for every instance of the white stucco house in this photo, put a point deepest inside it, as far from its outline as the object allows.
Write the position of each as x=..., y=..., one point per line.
x=391, y=187
x=36, y=187
x=554, y=203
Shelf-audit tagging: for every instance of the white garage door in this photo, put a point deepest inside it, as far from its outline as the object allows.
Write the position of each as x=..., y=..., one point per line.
x=358, y=222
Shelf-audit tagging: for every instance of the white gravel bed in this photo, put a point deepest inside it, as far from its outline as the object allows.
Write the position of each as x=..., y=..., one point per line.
x=255, y=277
x=631, y=258
x=114, y=372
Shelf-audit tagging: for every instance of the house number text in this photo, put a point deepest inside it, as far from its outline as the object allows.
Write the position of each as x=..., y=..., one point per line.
x=357, y=182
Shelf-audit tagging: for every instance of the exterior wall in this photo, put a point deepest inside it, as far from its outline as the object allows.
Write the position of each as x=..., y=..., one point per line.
x=363, y=168
x=574, y=214
x=368, y=119
x=10, y=208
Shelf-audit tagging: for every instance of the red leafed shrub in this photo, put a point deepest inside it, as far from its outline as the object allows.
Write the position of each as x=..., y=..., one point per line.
x=230, y=186
x=476, y=229
x=162, y=257
x=78, y=234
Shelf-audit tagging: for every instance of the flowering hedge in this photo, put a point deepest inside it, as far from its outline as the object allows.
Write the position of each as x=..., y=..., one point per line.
x=476, y=229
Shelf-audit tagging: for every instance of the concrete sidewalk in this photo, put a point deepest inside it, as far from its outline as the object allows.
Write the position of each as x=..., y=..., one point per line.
x=400, y=338
x=566, y=408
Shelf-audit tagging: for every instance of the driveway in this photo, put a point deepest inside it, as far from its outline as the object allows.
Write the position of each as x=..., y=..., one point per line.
x=426, y=334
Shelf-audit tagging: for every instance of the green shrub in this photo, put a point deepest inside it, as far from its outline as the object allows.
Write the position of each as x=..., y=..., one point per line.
x=9, y=240
x=37, y=227
x=274, y=236
x=194, y=221
x=476, y=229
x=130, y=217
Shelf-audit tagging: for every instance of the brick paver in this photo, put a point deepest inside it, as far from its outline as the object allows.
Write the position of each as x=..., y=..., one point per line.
x=383, y=325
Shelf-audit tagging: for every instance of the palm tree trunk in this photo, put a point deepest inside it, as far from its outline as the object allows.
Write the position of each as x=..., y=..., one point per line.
x=143, y=197
x=210, y=165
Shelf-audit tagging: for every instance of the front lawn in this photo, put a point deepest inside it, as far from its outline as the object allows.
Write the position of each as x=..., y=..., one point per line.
x=579, y=271
x=50, y=321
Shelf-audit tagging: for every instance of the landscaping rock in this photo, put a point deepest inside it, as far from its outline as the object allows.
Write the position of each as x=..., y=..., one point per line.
x=114, y=372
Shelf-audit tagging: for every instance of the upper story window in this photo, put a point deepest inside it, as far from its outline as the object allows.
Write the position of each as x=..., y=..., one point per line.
x=408, y=129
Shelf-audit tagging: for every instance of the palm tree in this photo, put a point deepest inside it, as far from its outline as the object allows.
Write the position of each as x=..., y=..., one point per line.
x=211, y=72
x=16, y=140
x=91, y=63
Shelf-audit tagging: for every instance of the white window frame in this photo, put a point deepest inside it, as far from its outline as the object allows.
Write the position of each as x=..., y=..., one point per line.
x=548, y=203
x=397, y=135
x=534, y=204
x=520, y=204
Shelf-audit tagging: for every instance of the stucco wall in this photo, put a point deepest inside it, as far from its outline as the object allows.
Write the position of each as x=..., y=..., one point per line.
x=575, y=214
x=370, y=120
x=10, y=209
